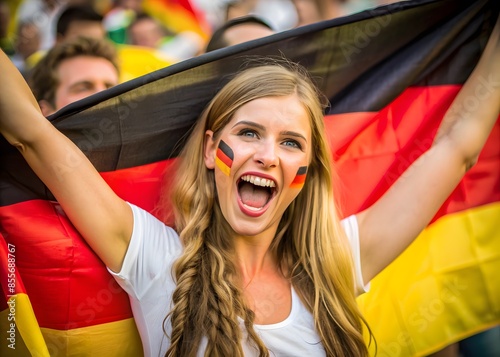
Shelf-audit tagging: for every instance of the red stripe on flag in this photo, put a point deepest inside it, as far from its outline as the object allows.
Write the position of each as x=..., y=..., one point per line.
x=69, y=287
x=374, y=149
x=298, y=182
x=224, y=158
x=300, y=178
x=142, y=185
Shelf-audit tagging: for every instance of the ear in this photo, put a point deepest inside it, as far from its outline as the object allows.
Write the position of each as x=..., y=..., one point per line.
x=210, y=149
x=46, y=108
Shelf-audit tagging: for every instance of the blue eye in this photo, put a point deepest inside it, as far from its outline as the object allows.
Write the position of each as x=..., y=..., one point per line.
x=292, y=143
x=247, y=133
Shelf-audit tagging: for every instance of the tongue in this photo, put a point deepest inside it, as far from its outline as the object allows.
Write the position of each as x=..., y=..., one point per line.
x=254, y=196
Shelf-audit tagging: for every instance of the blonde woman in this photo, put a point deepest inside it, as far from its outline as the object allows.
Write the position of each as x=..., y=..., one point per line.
x=259, y=263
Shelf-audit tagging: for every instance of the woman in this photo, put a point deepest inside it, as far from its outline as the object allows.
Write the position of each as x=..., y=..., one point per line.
x=260, y=264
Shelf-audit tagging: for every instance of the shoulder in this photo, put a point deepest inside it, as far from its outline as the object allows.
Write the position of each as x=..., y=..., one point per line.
x=152, y=250
x=153, y=234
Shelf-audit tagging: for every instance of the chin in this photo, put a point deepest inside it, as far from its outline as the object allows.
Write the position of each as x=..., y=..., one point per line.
x=254, y=229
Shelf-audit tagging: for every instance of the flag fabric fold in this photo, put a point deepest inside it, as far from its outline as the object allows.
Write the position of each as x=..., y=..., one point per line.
x=390, y=75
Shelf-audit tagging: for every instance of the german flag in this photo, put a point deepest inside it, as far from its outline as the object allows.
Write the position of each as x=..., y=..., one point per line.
x=390, y=74
x=300, y=178
x=224, y=158
x=22, y=333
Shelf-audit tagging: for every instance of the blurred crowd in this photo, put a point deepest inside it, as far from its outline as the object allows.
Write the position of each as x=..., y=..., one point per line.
x=153, y=32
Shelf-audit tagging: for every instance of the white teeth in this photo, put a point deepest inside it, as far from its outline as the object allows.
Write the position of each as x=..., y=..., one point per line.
x=258, y=181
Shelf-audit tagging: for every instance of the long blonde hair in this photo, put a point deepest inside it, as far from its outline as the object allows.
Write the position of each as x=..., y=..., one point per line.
x=310, y=242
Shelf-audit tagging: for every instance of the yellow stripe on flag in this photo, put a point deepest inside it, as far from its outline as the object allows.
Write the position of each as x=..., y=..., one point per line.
x=20, y=329
x=222, y=166
x=443, y=288
x=114, y=339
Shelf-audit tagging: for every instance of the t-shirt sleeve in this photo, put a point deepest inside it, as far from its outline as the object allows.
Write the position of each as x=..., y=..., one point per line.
x=152, y=249
x=350, y=225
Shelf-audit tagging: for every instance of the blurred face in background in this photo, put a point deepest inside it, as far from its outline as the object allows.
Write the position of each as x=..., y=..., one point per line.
x=28, y=40
x=145, y=32
x=80, y=77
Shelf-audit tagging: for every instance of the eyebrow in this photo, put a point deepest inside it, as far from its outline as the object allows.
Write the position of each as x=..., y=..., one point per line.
x=263, y=128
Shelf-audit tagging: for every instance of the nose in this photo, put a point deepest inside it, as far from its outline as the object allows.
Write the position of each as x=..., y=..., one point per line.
x=266, y=154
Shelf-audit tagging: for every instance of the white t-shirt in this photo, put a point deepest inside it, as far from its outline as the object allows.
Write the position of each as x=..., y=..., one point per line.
x=146, y=276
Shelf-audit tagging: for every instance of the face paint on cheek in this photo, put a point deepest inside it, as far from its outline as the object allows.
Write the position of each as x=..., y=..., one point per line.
x=224, y=158
x=300, y=178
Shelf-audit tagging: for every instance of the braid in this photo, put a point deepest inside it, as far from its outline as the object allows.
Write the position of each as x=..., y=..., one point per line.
x=208, y=301
x=188, y=276
x=222, y=329
x=252, y=335
x=194, y=214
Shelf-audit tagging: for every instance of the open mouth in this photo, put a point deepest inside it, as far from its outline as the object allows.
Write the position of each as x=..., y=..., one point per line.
x=255, y=192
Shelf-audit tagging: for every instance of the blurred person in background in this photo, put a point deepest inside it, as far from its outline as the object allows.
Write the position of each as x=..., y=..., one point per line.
x=73, y=70
x=42, y=13
x=79, y=20
x=147, y=31
x=26, y=42
x=239, y=30
x=73, y=21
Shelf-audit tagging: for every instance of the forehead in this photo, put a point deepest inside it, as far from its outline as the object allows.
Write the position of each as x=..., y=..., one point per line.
x=283, y=112
x=87, y=67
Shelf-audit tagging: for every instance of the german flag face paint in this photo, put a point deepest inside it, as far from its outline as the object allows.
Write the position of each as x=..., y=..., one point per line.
x=300, y=178
x=224, y=158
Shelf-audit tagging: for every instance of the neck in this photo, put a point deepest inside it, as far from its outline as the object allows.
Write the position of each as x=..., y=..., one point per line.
x=254, y=257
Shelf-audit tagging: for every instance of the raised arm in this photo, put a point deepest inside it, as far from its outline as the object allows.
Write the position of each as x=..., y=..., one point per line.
x=397, y=218
x=103, y=219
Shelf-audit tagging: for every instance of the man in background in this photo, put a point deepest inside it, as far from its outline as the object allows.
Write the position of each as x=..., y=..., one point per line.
x=73, y=70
